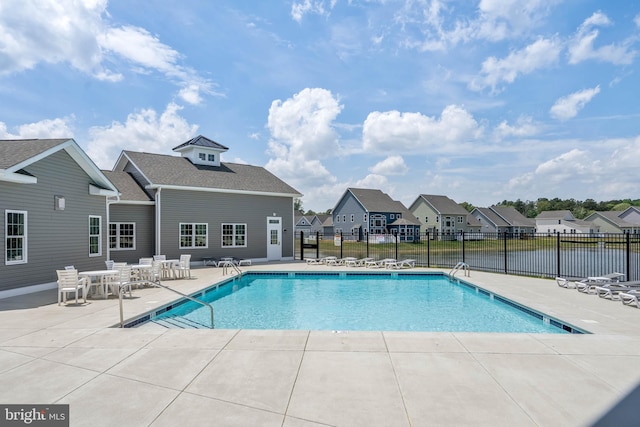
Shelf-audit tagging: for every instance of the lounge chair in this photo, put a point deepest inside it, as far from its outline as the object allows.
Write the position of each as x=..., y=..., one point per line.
x=329, y=260
x=313, y=260
x=588, y=285
x=630, y=297
x=611, y=290
x=362, y=262
x=570, y=282
x=382, y=263
x=405, y=263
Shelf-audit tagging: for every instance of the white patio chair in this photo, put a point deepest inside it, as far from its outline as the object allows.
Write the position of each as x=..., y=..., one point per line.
x=122, y=280
x=183, y=268
x=68, y=281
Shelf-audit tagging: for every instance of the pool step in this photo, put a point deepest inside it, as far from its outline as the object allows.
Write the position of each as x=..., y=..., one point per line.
x=174, y=322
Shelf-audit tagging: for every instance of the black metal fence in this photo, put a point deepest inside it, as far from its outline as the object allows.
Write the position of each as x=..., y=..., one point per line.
x=538, y=254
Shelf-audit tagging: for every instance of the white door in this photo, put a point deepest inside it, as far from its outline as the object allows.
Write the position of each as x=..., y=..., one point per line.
x=274, y=238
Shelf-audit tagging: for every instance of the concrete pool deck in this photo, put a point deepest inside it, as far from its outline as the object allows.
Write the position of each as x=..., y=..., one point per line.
x=155, y=376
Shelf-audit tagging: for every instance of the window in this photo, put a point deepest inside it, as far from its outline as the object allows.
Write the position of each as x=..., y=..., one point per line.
x=122, y=235
x=437, y=219
x=337, y=218
x=460, y=219
x=352, y=218
x=193, y=235
x=426, y=219
x=344, y=218
x=211, y=157
x=202, y=156
x=16, y=237
x=234, y=235
x=364, y=218
x=392, y=216
x=95, y=235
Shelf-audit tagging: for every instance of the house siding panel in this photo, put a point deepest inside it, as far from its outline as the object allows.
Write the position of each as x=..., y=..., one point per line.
x=349, y=206
x=217, y=208
x=55, y=238
x=143, y=217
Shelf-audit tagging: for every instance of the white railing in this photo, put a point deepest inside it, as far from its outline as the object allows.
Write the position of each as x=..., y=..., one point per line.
x=158, y=284
x=460, y=266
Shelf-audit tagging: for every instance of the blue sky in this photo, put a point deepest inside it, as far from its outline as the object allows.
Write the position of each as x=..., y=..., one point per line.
x=478, y=100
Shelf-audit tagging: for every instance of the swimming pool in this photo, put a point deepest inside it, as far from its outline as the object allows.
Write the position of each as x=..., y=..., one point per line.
x=355, y=301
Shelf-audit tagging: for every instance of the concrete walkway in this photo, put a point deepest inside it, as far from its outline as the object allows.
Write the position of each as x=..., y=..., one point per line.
x=154, y=376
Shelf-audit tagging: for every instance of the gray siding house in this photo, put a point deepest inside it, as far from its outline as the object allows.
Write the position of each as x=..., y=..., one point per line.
x=53, y=200
x=208, y=208
x=361, y=212
x=441, y=216
x=612, y=222
x=504, y=219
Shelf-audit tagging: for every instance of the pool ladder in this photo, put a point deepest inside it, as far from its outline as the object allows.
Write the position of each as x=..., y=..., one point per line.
x=460, y=266
x=227, y=264
x=160, y=285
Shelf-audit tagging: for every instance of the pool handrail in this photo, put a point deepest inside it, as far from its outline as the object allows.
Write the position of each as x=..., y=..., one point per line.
x=160, y=285
x=461, y=265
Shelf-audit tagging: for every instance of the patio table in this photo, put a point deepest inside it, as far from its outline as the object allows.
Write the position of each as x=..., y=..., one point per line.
x=101, y=275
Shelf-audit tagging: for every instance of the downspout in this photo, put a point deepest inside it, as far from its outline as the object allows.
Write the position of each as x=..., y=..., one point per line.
x=158, y=218
x=109, y=203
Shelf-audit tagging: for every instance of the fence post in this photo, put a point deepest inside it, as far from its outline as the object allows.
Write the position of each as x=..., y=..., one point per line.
x=366, y=236
x=463, y=251
x=558, y=253
x=396, y=236
x=506, y=270
x=301, y=245
x=341, y=244
x=317, y=244
x=426, y=233
x=628, y=254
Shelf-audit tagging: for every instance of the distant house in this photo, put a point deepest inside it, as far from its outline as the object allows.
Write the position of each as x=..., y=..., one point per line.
x=302, y=223
x=208, y=208
x=60, y=209
x=54, y=212
x=611, y=222
x=563, y=221
x=366, y=212
x=317, y=223
x=631, y=215
x=504, y=220
x=441, y=216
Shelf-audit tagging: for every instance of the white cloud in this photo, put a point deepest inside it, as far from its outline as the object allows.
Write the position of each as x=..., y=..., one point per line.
x=302, y=132
x=493, y=20
x=568, y=106
x=299, y=9
x=78, y=32
x=524, y=127
x=49, y=128
x=581, y=48
x=542, y=53
x=392, y=165
x=142, y=131
x=393, y=131
x=637, y=20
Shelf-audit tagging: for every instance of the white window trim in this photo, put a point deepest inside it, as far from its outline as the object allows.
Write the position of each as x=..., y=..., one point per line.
x=24, y=237
x=117, y=247
x=233, y=224
x=99, y=235
x=193, y=235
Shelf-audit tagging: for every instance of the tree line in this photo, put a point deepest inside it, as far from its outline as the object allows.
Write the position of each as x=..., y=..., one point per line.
x=580, y=209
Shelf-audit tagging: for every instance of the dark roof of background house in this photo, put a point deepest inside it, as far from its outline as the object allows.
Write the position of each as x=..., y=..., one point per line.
x=375, y=200
x=493, y=217
x=513, y=217
x=444, y=205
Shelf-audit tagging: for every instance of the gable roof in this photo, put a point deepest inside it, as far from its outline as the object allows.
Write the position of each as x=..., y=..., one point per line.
x=130, y=190
x=374, y=200
x=512, y=216
x=496, y=219
x=559, y=214
x=166, y=171
x=17, y=154
x=613, y=217
x=201, y=141
x=443, y=204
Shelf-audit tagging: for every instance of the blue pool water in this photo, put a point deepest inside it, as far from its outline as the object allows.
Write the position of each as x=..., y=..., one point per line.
x=359, y=302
